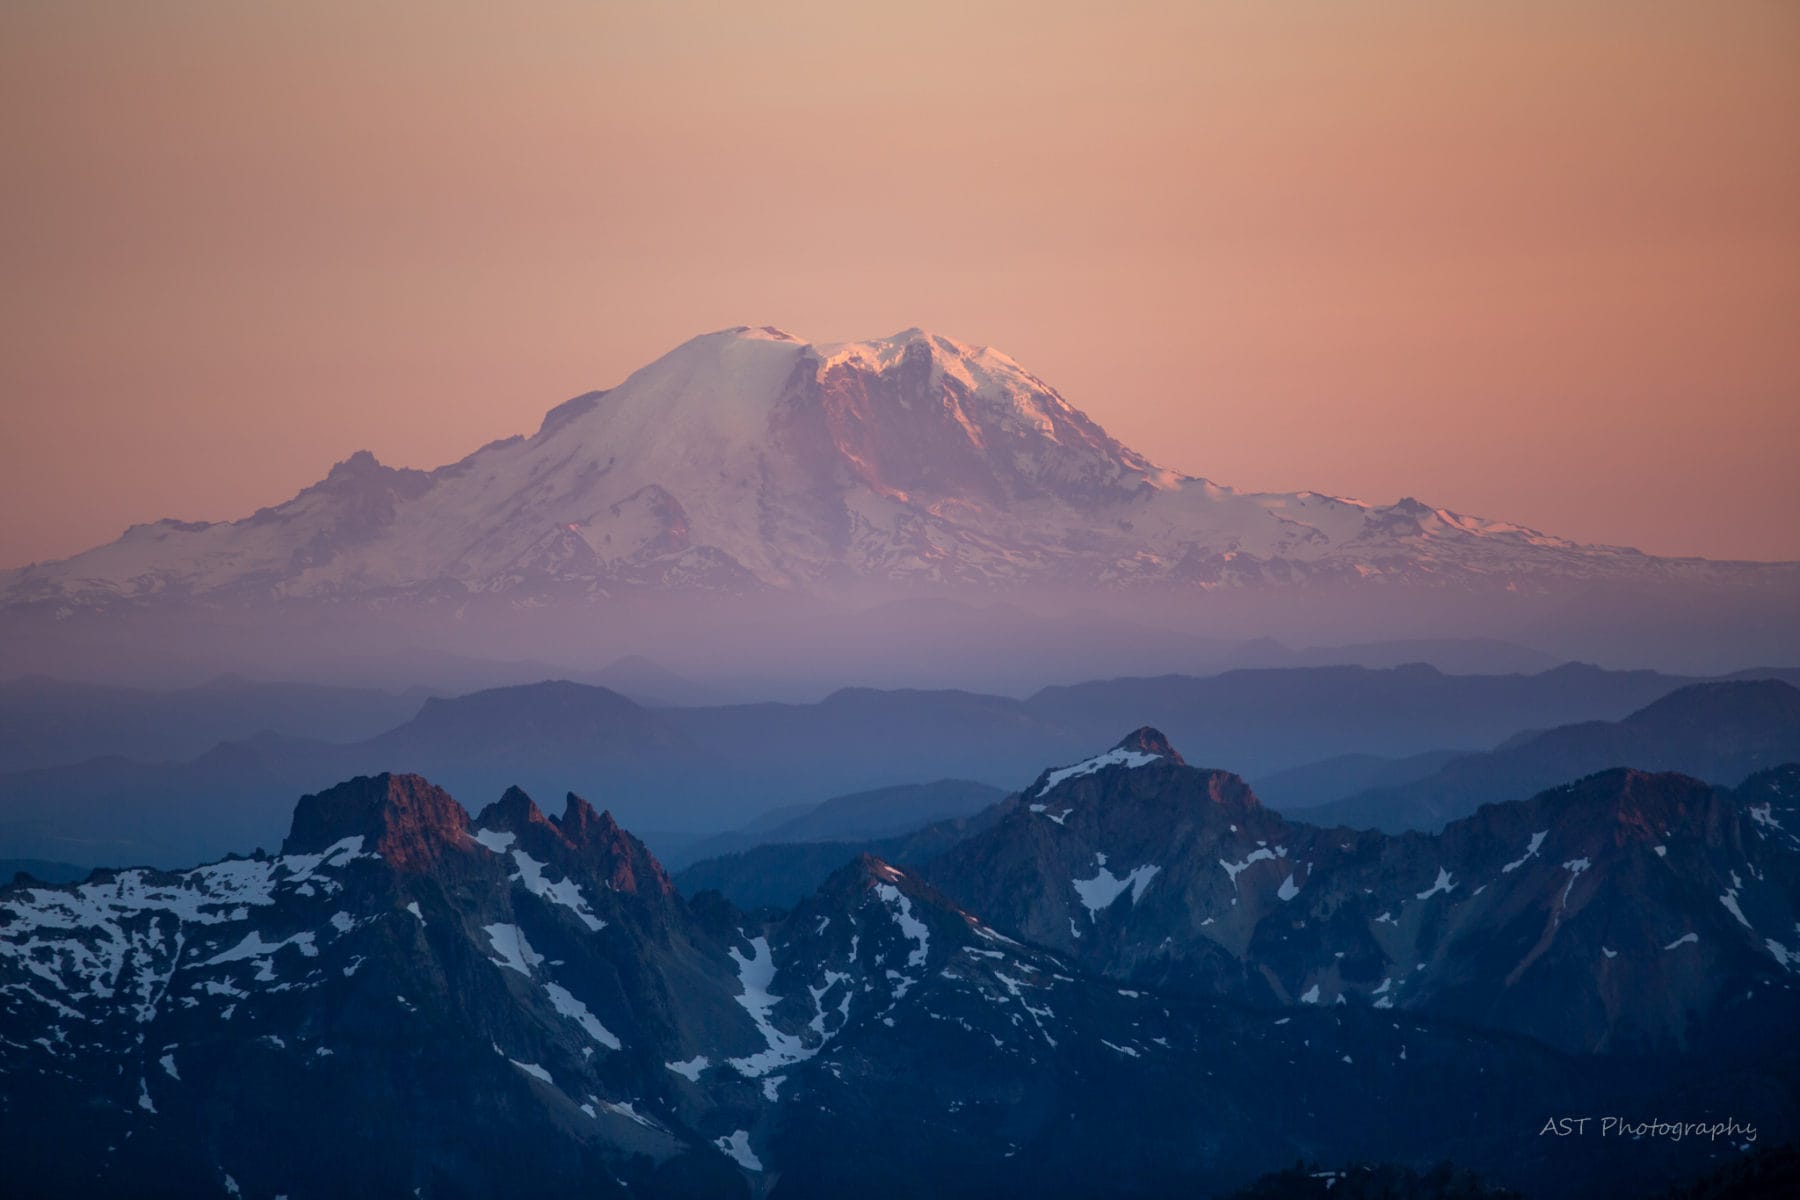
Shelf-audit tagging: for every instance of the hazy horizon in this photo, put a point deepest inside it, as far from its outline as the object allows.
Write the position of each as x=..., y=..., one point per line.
x=1536, y=265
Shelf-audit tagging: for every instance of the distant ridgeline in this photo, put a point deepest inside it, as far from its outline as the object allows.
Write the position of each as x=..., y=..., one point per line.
x=1128, y=978
x=1408, y=747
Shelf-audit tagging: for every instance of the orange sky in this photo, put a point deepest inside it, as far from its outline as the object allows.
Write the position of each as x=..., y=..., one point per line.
x=1537, y=261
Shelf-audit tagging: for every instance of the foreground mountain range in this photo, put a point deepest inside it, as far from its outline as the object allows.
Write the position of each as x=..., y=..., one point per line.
x=794, y=479
x=1133, y=981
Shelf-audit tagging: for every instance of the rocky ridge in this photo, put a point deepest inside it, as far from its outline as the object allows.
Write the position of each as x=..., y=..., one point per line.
x=409, y=999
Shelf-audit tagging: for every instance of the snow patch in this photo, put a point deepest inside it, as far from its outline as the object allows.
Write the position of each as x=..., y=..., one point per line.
x=1237, y=868
x=1537, y=840
x=1442, y=884
x=495, y=839
x=563, y=892
x=755, y=975
x=533, y=1070
x=627, y=1109
x=576, y=1011
x=1120, y=757
x=910, y=926
x=254, y=947
x=515, y=953
x=1575, y=866
x=1730, y=901
x=737, y=1146
x=1099, y=892
x=690, y=1070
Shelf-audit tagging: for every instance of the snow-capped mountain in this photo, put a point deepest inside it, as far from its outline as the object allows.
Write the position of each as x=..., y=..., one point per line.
x=748, y=459
x=1625, y=912
x=410, y=1001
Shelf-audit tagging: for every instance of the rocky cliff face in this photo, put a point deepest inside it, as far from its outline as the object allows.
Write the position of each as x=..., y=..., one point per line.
x=1618, y=913
x=403, y=819
x=408, y=1000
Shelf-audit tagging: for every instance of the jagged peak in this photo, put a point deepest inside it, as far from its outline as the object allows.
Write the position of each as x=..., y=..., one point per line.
x=974, y=365
x=579, y=819
x=1147, y=739
x=878, y=868
x=627, y=863
x=580, y=835
x=360, y=462
x=1142, y=747
x=850, y=886
x=363, y=467
x=977, y=368
x=866, y=872
x=407, y=819
x=585, y=827
x=513, y=811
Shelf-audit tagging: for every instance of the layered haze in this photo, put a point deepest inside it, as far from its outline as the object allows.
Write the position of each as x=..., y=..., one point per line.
x=764, y=504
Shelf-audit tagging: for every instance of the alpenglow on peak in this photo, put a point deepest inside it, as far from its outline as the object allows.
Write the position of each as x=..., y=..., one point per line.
x=749, y=460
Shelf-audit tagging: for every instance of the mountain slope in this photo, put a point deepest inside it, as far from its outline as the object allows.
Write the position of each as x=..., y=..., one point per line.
x=747, y=460
x=408, y=1000
x=45, y=722
x=871, y=816
x=1611, y=914
x=1313, y=785
x=390, y=927
x=1719, y=732
x=780, y=874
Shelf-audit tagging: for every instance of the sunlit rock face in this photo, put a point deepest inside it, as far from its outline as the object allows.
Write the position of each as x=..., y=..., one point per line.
x=1627, y=912
x=1130, y=984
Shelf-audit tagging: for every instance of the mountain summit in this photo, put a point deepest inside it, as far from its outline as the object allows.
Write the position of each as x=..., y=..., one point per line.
x=1150, y=741
x=407, y=1001
x=750, y=460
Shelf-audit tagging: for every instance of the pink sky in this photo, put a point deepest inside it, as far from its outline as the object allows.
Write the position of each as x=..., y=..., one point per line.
x=1535, y=261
